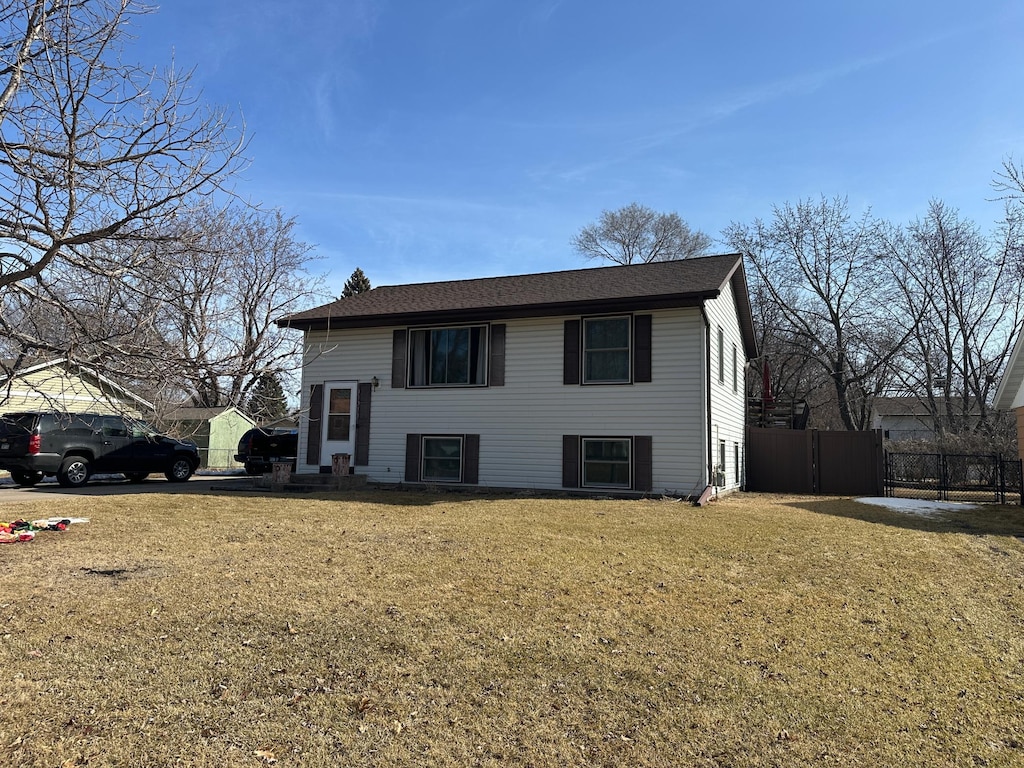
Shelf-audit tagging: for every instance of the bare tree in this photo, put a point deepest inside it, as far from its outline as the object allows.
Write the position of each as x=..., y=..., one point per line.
x=225, y=278
x=92, y=149
x=962, y=310
x=794, y=376
x=1009, y=182
x=636, y=234
x=819, y=267
x=196, y=322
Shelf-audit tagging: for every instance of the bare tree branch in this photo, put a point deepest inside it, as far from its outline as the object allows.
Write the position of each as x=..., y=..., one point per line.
x=93, y=149
x=637, y=235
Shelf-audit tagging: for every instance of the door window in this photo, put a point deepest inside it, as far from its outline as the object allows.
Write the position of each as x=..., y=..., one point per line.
x=339, y=414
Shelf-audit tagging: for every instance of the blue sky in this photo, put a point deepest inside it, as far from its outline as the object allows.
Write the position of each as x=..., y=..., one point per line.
x=432, y=140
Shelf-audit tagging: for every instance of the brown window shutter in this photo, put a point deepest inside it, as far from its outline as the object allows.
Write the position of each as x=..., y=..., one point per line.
x=497, y=372
x=398, y=358
x=314, y=417
x=471, y=459
x=412, y=458
x=364, y=393
x=643, y=463
x=642, y=348
x=571, y=357
x=570, y=461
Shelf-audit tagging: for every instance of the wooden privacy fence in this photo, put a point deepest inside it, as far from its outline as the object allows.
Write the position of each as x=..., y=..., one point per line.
x=815, y=461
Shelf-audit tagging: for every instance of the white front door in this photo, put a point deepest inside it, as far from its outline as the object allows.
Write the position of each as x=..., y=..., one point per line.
x=339, y=419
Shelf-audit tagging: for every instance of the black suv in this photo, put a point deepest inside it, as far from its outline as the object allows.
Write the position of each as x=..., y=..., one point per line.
x=74, y=446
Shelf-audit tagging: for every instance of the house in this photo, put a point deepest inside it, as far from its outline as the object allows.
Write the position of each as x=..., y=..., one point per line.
x=61, y=384
x=1010, y=395
x=902, y=418
x=623, y=378
x=216, y=431
x=910, y=417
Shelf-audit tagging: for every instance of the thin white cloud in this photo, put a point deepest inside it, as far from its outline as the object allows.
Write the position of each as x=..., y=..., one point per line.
x=742, y=100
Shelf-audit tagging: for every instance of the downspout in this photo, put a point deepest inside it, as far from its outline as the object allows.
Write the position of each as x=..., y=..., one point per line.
x=708, y=488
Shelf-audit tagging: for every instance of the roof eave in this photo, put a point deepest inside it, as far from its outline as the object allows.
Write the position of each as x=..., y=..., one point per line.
x=1013, y=375
x=738, y=277
x=482, y=314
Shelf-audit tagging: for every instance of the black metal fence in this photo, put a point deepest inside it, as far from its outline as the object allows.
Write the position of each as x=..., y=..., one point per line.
x=954, y=477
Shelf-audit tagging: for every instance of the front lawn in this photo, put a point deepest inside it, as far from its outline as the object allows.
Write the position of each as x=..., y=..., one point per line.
x=402, y=629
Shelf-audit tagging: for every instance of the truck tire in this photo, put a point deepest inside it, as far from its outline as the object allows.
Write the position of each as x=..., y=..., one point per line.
x=253, y=469
x=74, y=472
x=26, y=479
x=180, y=470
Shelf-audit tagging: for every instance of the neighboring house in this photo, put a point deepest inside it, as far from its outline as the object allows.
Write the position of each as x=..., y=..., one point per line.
x=215, y=430
x=1010, y=395
x=64, y=385
x=902, y=418
x=624, y=378
x=910, y=418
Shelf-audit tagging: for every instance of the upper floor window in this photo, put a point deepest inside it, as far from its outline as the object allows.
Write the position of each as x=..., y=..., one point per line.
x=448, y=356
x=606, y=350
x=721, y=356
x=735, y=370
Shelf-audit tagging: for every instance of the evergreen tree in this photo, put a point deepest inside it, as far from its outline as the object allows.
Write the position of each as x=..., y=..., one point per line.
x=267, y=401
x=356, y=283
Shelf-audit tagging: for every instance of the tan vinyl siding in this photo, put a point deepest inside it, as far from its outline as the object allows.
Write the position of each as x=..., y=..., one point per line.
x=55, y=389
x=521, y=423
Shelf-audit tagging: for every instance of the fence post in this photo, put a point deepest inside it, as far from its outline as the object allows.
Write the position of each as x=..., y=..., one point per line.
x=886, y=473
x=1002, y=479
x=943, y=478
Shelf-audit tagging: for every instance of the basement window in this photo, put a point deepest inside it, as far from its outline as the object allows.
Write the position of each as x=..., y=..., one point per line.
x=606, y=462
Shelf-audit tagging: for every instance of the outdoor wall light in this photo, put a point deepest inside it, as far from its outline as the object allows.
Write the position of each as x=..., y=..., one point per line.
x=376, y=382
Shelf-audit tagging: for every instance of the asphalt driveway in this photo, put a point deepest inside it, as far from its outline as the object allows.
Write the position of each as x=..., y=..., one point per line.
x=115, y=486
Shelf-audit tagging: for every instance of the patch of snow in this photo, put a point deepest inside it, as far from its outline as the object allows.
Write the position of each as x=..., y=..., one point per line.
x=922, y=507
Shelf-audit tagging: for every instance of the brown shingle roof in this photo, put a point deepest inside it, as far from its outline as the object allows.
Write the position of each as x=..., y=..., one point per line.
x=639, y=286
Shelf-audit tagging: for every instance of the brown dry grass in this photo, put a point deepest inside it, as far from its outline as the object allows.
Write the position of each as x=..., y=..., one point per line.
x=398, y=629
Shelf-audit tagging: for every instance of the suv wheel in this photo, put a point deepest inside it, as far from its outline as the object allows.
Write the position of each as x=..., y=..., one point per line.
x=179, y=471
x=253, y=469
x=26, y=479
x=74, y=472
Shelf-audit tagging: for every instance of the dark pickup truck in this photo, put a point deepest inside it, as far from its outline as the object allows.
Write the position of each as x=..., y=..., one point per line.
x=74, y=446
x=259, y=448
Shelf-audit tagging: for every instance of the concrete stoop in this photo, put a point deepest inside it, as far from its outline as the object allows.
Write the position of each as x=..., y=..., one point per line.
x=303, y=483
